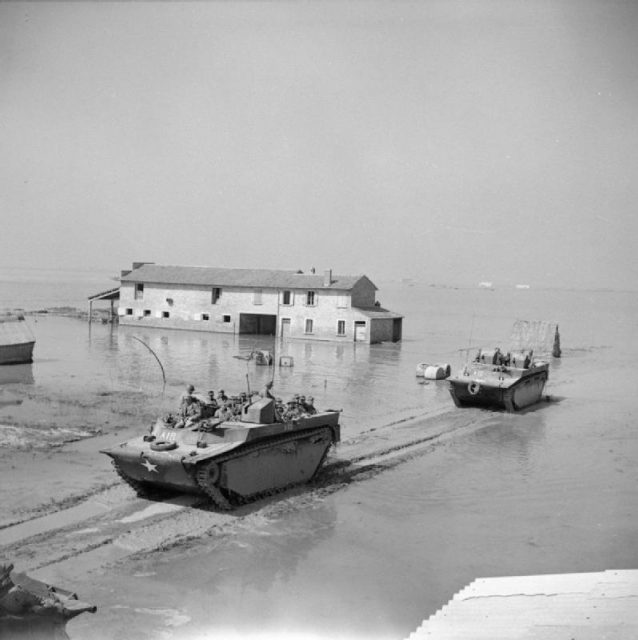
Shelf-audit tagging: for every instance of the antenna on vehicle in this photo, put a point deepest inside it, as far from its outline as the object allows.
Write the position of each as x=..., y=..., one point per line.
x=156, y=358
x=274, y=357
x=469, y=342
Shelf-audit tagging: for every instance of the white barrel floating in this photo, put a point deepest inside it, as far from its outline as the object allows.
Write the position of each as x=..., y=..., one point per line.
x=433, y=371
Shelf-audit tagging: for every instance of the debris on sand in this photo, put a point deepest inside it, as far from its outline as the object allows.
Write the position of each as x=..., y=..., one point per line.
x=30, y=608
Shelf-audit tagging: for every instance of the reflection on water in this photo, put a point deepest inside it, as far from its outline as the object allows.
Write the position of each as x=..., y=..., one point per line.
x=548, y=490
x=82, y=373
x=16, y=374
x=373, y=385
x=104, y=366
x=223, y=581
x=360, y=379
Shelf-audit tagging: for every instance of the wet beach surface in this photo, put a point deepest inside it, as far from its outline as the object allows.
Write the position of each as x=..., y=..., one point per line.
x=419, y=499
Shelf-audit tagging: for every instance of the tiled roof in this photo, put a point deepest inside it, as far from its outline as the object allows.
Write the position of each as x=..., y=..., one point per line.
x=213, y=276
x=377, y=312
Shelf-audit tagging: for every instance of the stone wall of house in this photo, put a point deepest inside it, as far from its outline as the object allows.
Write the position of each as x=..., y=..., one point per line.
x=363, y=293
x=330, y=317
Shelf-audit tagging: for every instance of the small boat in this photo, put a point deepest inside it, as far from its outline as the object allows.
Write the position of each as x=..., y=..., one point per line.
x=492, y=379
x=433, y=371
x=16, y=339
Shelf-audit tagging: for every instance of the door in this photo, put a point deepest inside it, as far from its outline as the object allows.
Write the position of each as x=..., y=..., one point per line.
x=396, y=329
x=259, y=324
x=359, y=331
x=285, y=327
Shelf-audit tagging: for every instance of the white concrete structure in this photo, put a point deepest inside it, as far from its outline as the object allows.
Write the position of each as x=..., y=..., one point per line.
x=571, y=606
x=259, y=301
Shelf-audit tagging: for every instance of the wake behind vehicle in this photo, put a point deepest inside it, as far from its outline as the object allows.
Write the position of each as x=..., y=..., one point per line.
x=231, y=460
x=510, y=381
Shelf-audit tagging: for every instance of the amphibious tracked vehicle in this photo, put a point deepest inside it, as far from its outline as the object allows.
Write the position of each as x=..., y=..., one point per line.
x=510, y=381
x=232, y=461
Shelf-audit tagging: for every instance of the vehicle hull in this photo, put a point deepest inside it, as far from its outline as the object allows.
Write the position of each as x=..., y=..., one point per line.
x=496, y=387
x=229, y=461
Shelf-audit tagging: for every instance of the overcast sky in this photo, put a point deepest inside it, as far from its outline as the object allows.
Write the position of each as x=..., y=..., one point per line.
x=448, y=141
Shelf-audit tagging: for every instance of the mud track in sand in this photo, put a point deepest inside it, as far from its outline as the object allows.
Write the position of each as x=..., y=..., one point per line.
x=114, y=524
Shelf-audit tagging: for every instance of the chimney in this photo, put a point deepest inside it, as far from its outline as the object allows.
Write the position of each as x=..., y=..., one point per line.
x=327, y=277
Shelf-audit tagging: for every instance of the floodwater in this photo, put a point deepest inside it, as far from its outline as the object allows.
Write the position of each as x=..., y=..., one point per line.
x=550, y=490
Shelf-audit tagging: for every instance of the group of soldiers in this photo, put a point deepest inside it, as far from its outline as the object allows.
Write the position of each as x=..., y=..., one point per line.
x=193, y=409
x=521, y=360
x=298, y=406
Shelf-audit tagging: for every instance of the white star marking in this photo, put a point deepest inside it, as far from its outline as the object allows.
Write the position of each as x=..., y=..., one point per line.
x=150, y=466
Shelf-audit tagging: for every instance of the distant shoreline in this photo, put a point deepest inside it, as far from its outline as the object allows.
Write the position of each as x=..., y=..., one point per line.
x=103, y=315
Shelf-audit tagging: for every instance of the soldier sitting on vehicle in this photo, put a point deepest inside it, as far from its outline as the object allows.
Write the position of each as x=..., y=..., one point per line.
x=210, y=407
x=190, y=409
x=225, y=412
x=280, y=410
x=309, y=406
x=190, y=390
x=293, y=410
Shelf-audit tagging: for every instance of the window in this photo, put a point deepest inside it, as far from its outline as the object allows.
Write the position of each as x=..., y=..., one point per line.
x=308, y=325
x=226, y=318
x=310, y=298
x=205, y=316
x=147, y=312
x=129, y=312
x=139, y=290
x=166, y=314
x=341, y=327
x=216, y=294
x=286, y=297
x=257, y=296
x=342, y=302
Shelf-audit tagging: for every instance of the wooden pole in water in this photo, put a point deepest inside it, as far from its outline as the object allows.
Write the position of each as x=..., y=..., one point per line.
x=556, y=349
